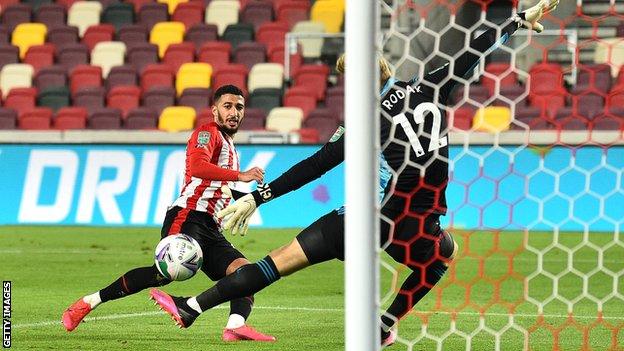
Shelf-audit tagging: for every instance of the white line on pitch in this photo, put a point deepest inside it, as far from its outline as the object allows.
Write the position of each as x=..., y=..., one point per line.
x=306, y=309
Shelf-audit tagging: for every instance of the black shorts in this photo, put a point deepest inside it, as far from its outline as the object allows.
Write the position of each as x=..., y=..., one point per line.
x=217, y=251
x=412, y=242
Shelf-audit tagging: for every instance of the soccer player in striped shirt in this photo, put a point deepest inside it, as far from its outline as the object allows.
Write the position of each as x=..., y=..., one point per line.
x=211, y=162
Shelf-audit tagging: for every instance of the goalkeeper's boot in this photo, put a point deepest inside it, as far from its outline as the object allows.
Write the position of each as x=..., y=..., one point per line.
x=74, y=314
x=182, y=315
x=245, y=332
x=389, y=339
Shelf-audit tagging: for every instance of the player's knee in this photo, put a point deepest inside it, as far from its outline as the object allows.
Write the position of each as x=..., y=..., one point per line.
x=289, y=258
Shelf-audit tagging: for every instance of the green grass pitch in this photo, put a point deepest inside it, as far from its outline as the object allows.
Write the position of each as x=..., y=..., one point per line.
x=50, y=267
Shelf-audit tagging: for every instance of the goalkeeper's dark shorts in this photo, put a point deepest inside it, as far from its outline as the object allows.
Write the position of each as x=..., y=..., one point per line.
x=412, y=240
x=217, y=251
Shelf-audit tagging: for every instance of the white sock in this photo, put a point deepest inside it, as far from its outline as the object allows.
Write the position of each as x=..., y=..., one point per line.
x=235, y=321
x=93, y=300
x=192, y=302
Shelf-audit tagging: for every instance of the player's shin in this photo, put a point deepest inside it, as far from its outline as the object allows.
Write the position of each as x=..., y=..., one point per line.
x=132, y=282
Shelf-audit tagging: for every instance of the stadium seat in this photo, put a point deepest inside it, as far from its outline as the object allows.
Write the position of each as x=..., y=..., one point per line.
x=15, y=75
x=132, y=34
x=6, y=3
x=255, y=119
x=35, y=119
x=35, y=4
x=179, y=54
x=124, y=98
x=222, y=13
x=498, y=71
x=190, y=13
x=83, y=14
x=156, y=75
x=165, y=33
x=62, y=35
x=66, y=3
x=329, y=14
x=461, y=118
x=152, y=13
x=308, y=136
x=40, y=56
x=4, y=35
x=21, y=99
x=98, y=33
x=620, y=78
x=284, y=119
x=300, y=97
x=50, y=76
x=14, y=15
x=91, y=98
x=272, y=34
x=550, y=102
x=141, y=118
x=177, y=118
x=323, y=121
x=200, y=33
x=532, y=117
x=256, y=13
x=265, y=98
x=493, y=119
x=231, y=74
x=172, y=4
x=567, y=118
x=85, y=76
x=266, y=75
x=314, y=77
x=52, y=15
x=26, y=35
x=140, y=55
x=615, y=98
x=70, y=118
x=588, y=103
x=108, y=54
x=334, y=100
x=158, y=98
x=193, y=75
x=611, y=120
x=331, y=50
x=249, y=54
x=310, y=47
x=54, y=98
x=291, y=12
x=238, y=33
x=121, y=75
x=593, y=77
x=215, y=53
x=204, y=116
x=610, y=51
x=104, y=119
x=8, y=54
x=118, y=14
x=137, y=4
x=72, y=55
x=8, y=118
x=197, y=98
x=512, y=94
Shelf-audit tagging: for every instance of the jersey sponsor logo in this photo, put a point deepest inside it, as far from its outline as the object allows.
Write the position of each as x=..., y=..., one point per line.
x=203, y=138
x=337, y=134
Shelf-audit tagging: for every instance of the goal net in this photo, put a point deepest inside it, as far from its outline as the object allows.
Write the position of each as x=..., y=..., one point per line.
x=536, y=188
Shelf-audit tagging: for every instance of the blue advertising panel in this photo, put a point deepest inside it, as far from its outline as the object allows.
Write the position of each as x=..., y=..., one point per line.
x=509, y=187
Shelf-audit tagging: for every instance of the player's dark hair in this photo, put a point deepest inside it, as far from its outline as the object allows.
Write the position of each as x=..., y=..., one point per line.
x=227, y=89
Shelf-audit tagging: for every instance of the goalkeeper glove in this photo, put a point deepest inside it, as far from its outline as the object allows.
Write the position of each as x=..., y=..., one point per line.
x=529, y=18
x=239, y=212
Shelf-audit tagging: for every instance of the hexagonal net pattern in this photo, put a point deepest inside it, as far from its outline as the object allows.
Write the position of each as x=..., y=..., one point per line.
x=532, y=140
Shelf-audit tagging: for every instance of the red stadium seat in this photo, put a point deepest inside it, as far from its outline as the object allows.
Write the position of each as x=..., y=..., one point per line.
x=205, y=116
x=158, y=98
x=139, y=3
x=124, y=98
x=300, y=97
x=85, y=76
x=291, y=12
x=50, y=76
x=314, y=77
x=546, y=78
x=619, y=82
x=201, y=33
x=91, y=98
x=121, y=75
x=276, y=55
x=189, y=13
x=104, y=118
x=98, y=33
x=21, y=100
x=178, y=54
x=40, y=56
x=141, y=54
x=616, y=98
x=588, y=104
x=308, y=136
x=216, y=53
x=4, y=35
x=35, y=119
x=15, y=14
x=8, y=118
x=272, y=34
x=132, y=34
x=52, y=15
x=257, y=13
x=8, y=54
x=156, y=75
x=334, y=100
x=596, y=78
x=62, y=35
x=502, y=72
x=70, y=118
x=249, y=54
x=462, y=118
x=323, y=121
x=549, y=102
x=141, y=118
x=72, y=55
x=255, y=119
x=197, y=98
x=152, y=13
x=231, y=74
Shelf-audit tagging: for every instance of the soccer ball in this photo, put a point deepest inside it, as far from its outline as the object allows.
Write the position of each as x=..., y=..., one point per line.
x=178, y=257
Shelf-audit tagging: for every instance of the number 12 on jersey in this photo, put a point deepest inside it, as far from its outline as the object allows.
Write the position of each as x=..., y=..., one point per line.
x=419, y=117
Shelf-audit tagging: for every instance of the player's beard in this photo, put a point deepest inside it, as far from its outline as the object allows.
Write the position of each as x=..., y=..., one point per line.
x=224, y=124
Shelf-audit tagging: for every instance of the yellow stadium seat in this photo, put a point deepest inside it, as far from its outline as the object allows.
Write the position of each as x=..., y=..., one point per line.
x=26, y=35
x=610, y=51
x=172, y=4
x=492, y=119
x=284, y=119
x=165, y=33
x=83, y=14
x=15, y=75
x=193, y=75
x=330, y=13
x=177, y=118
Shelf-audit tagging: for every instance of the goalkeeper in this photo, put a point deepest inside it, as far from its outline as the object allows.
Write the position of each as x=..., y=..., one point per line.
x=413, y=177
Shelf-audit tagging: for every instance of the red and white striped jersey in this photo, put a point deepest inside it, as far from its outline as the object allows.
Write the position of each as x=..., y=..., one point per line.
x=208, y=143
